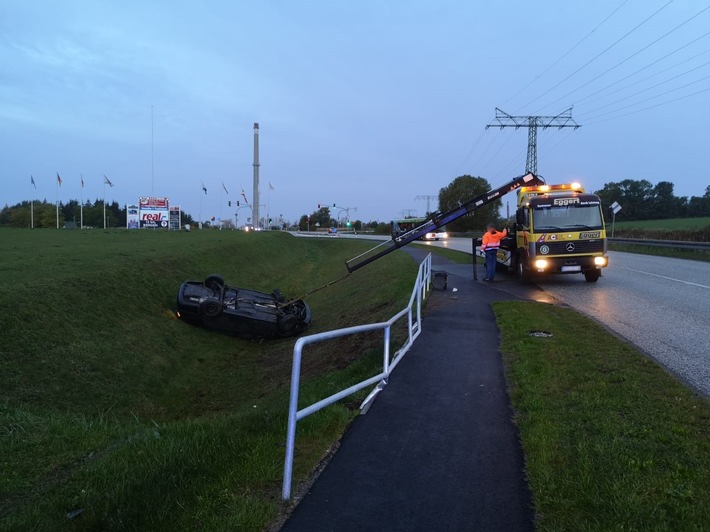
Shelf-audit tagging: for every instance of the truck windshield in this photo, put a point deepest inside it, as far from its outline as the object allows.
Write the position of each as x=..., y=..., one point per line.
x=566, y=218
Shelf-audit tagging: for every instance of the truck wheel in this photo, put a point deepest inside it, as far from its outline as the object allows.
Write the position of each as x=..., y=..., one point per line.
x=521, y=273
x=210, y=308
x=592, y=276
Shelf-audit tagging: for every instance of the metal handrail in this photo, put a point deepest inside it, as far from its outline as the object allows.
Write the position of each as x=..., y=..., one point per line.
x=414, y=327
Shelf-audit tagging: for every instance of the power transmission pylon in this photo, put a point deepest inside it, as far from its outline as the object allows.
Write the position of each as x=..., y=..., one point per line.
x=503, y=119
x=428, y=199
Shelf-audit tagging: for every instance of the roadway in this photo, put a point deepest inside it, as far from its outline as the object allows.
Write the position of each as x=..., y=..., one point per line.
x=660, y=304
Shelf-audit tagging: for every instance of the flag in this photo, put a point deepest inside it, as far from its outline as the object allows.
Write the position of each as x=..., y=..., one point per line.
x=204, y=187
x=107, y=181
x=82, y=181
x=225, y=188
x=271, y=187
x=245, y=197
x=59, y=180
x=32, y=180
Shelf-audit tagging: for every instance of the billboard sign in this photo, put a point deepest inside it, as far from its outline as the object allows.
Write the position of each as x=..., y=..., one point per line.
x=154, y=213
x=175, y=218
x=132, y=217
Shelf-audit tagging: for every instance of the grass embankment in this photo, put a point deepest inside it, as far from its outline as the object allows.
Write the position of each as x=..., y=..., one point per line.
x=112, y=409
x=687, y=229
x=458, y=257
x=611, y=440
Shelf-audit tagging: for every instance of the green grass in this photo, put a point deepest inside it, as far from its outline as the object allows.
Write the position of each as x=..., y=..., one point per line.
x=688, y=254
x=671, y=224
x=110, y=405
x=458, y=257
x=611, y=440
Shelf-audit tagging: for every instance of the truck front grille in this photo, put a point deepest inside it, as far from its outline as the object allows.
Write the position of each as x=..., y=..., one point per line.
x=569, y=247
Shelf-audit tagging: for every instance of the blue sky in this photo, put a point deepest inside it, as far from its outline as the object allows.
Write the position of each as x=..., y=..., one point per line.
x=363, y=104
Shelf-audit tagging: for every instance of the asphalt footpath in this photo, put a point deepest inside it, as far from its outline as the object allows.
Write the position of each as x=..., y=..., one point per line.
x=438, y=449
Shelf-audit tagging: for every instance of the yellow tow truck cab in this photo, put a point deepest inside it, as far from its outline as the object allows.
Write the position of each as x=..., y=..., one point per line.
x=558, y=229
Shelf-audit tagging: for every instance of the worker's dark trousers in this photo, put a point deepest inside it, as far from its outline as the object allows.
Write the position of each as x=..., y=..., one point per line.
x=491, y=263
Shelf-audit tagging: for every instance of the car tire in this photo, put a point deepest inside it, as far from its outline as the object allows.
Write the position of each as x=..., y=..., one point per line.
x=592, y=276
x=214, y=282
x=210, y=308
x=288, y=325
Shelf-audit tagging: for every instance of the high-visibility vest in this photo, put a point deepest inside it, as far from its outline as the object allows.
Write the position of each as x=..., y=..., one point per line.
x=491, y=240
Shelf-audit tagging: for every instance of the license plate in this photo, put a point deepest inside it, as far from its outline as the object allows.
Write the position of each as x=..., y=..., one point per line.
x=571, y=268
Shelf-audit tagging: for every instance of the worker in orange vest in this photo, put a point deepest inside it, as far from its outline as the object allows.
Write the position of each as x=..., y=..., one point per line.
x=490, y=245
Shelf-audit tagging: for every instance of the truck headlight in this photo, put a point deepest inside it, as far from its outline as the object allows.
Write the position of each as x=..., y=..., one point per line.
x=600, y=261
x=540, y=264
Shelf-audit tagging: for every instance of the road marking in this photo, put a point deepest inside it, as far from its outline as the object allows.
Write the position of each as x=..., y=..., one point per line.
x=664, y=277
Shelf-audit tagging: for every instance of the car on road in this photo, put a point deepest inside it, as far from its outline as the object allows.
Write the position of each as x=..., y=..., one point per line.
x=436, y=235
x=239, y=311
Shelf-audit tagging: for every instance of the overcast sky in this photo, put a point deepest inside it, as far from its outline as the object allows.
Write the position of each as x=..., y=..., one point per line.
x=363, y=104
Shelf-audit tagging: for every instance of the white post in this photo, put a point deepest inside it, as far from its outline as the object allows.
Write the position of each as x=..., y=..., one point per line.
x=104, y=202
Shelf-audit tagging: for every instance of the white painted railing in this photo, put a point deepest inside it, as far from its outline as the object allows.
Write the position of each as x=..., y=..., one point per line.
x=413, y=312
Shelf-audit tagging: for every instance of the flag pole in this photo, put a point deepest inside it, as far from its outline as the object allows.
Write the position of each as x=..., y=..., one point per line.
x=81, y=205
x=57, y=200
x=221, y=200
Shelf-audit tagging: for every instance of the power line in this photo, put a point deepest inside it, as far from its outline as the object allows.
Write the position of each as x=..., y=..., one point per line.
x=601, y=53
x=490, y=160
x=632, y=55
x=651, y=107
x=471, y=150
x=648, y=89
x=567, y=52
x=642, y=80
x=652, y=97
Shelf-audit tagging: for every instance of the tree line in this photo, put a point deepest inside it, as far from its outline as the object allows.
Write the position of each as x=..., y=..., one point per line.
x=70, y=214
x=641, y=200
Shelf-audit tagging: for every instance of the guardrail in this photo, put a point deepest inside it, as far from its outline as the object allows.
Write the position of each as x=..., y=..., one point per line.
x=677, y=244
x=414, y=327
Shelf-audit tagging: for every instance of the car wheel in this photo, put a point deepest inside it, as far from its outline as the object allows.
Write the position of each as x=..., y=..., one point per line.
x=214, y=282
x=592, y=276
x=210, y=308
x=287, y=325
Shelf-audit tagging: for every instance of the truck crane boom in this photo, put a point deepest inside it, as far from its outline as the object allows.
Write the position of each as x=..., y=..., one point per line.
x=438, y=219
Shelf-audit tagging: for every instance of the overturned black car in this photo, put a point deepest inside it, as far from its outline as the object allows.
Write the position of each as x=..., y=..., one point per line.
x=241, y=312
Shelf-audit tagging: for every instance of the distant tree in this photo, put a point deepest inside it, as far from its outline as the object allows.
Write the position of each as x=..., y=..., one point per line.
x=462, y=189
x=303, y=224
x=636, y=198
x=357, y=225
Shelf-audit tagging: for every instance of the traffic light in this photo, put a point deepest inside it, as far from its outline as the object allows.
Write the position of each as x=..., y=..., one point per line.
x=319, y=205
x=270, y=220
x=237, y=203
x=348, y=224
x=333, y=204
x=230, y=203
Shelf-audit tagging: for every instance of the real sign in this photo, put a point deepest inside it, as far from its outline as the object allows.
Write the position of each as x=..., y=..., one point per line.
x=153, y=212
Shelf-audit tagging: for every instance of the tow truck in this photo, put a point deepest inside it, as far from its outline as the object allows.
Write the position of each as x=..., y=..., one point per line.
x=438, y=219
x=558, y=229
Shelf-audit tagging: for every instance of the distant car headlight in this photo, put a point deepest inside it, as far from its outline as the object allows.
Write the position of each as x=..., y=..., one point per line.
x=540, y=264
x=600, y=261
